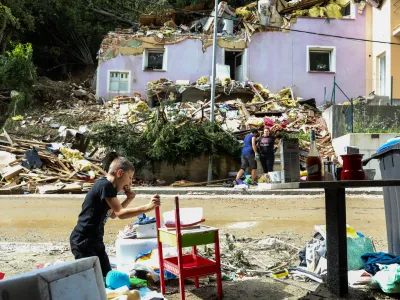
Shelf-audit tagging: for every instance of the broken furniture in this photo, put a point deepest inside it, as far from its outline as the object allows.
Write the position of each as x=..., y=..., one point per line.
x=335, y=212
x=189, y=265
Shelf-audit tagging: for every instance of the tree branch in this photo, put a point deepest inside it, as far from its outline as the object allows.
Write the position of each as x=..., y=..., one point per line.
x=107, y=14
x=3, y=28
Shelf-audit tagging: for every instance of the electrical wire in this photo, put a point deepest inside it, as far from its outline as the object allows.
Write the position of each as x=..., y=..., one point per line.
x=289, y=29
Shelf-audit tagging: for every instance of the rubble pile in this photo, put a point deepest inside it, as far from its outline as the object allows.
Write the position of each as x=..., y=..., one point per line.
x=235, y=25
x=45, y=168
x=280, y=111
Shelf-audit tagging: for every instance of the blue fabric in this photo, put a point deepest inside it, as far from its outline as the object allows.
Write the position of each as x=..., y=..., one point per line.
x=248, y=148
x=143, y=220
x=115, y=280
x=373, y=258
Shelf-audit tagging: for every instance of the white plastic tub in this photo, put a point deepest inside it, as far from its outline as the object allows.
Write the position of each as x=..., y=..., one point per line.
x=187, y=215
x=146, y=231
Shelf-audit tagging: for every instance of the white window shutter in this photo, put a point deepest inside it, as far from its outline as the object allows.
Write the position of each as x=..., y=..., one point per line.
x=145, y=59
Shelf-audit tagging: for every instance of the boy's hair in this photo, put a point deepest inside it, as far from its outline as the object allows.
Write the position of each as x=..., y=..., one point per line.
x=120, y=163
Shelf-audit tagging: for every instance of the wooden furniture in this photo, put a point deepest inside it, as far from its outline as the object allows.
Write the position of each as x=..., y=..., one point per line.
x=335, y=213
x=189, y=265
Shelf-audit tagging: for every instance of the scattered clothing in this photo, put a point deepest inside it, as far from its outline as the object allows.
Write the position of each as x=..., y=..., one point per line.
x=373, y=258
x=143, y=220
x=388, y=278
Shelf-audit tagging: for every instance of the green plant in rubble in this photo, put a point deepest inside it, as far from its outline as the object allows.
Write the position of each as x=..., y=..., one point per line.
x=172, y=142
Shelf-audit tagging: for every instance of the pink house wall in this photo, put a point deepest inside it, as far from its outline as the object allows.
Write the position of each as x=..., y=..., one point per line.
x=275, y=59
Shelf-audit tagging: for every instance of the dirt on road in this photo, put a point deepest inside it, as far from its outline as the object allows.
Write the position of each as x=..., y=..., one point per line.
x=49, y=219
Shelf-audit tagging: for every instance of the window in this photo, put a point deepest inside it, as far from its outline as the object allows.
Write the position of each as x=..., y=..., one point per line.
x=382, y=74
x=119, y=82
x=349, y=11
x=321, y=59
x=155, y=59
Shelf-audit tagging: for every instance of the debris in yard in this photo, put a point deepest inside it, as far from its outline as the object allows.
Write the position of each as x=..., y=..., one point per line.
x=37, y=167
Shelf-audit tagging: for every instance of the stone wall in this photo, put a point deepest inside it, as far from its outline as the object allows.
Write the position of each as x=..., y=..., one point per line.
x=195, y=170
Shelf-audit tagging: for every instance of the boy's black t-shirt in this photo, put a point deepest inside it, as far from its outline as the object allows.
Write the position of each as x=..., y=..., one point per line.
x=95, y=210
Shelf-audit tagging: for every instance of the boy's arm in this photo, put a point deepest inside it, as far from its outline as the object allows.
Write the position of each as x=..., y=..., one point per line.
x=127, y=213
x=130, y=195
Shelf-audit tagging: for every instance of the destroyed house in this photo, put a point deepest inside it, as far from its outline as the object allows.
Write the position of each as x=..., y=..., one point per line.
x=298, y=48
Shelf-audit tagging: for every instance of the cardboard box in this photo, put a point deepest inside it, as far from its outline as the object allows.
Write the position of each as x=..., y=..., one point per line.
x=351, y=150
x=290, y=160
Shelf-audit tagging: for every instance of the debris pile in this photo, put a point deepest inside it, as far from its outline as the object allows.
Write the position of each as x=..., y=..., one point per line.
x=234, y=24
x=45, y=168
x=280, y=111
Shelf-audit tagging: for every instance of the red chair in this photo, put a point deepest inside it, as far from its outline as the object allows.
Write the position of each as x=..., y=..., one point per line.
x=190, y=265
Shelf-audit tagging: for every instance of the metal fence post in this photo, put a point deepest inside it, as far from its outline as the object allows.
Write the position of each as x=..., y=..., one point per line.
x=352, y=115
x=391, y=90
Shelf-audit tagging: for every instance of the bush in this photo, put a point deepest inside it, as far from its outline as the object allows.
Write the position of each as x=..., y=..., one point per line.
x=166, y=141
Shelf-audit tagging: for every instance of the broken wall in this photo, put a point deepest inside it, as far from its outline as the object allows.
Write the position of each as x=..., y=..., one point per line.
x=273, y=59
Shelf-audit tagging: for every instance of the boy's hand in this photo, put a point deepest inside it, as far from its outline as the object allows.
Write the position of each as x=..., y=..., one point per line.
x=130, y=195
x=155, y=201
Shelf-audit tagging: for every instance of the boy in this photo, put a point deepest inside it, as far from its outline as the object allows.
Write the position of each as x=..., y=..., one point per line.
x=101, y=203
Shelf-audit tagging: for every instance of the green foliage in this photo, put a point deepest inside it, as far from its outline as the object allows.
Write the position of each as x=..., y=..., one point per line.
x=169, y=142
x=17, y=70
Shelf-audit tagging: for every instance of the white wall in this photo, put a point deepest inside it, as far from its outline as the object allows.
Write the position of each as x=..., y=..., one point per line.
x=381, y=31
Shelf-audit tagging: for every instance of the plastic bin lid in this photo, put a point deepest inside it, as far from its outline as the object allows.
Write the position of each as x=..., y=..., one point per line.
x=388, y=144
x=394, y=147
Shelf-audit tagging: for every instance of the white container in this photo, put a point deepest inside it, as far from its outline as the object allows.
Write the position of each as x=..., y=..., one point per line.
x=275, y=177
x=128, y=249
x=146, y=231
x=187, y=215
x=77, y=279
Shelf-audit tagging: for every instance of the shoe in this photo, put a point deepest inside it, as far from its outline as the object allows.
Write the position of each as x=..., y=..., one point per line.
x=255, y=183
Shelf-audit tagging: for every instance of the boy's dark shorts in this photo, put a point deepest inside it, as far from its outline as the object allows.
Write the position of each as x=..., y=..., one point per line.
x=248, y=161
x=83, y=247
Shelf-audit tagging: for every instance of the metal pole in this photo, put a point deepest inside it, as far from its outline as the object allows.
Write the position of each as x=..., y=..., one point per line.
x=325, y=95
x=334, y=89
x=391, y=90
x=214, y=75
x=352, y=115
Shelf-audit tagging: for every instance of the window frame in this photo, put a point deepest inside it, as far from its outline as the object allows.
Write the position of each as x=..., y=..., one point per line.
x=145, y=59
x=109, y=81
x=332, y=58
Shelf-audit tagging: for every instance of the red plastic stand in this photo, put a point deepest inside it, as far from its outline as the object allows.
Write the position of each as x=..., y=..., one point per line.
x=187, y=266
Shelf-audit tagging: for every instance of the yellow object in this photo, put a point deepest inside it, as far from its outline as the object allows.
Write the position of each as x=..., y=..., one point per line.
x=202, y=80
x=280, y=274
x=70, y=154
x=18, y=118
x=317, y=11
x=333, y=10
x=343, y=3
x=129, y=295
x=141, y=106
x=243, y=11
x=303, y=173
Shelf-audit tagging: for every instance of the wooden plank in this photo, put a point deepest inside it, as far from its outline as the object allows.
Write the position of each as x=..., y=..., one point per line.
x=99, y=169
x=62, y=165
x=244, y=109
x=11, y=172
x=8, y=138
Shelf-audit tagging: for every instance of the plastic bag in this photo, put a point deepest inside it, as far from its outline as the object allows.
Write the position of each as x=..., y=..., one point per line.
x=355, y=248
x=333, y=10
x=388, y=278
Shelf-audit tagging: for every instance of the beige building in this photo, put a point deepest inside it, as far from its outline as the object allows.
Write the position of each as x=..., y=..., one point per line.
x=383, y=59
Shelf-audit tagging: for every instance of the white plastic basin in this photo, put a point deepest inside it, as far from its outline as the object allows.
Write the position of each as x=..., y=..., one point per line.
x=187, y=215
